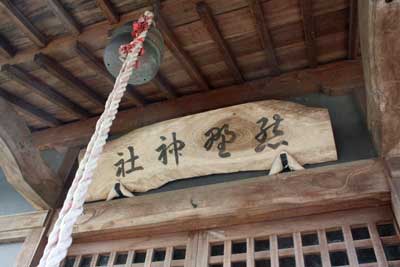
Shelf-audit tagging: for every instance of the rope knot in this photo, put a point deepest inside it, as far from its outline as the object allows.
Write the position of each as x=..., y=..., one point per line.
x=139, y=28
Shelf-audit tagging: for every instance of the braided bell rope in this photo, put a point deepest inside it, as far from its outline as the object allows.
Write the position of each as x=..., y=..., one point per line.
x=60, y=238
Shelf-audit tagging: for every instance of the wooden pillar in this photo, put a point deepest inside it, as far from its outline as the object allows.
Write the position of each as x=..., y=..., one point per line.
x=21, y=161
x=379, y=22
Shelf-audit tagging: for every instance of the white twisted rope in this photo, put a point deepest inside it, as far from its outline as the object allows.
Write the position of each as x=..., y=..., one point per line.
x=60, y=238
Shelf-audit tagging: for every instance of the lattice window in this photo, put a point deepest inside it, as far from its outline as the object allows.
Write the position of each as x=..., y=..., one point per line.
x=364, y=237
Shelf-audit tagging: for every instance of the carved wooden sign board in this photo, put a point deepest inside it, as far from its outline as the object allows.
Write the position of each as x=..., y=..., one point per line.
x=238, y=138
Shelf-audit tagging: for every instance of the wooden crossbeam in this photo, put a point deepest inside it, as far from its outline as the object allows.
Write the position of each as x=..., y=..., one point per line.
x=209, y=22
x=264, y=34
x=6, y=48
x=67, y=20
x=309, y=32
x=348, y=76
x=181, y=55
x=343, y=186
x=23, y=23
x=22, y=164
x=95, y=64
x=24, y=78
x=108, y=11
x=42, y=115
x=56, y=69
x=353, y=41
x=161, y=83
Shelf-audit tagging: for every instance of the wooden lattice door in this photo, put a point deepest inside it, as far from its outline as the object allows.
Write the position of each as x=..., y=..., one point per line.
x=363, y=237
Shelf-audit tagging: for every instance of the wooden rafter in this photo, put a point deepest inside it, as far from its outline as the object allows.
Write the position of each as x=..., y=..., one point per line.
x=56, y=69
x=209, y=22
x=108, y=10
x=6, y=48
x=29, y=108
x=309, y=32
x=44, y=90
x=23, y=23
x=343, y=186
x=183, y=57
x=21, y=161
x=348, y=76
x=95, y=64
x=67, y=20
x=264, y=34
x=161, y=83
x=353, y=41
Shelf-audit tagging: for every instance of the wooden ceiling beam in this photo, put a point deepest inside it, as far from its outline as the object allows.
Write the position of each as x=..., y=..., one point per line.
x=57, y=70
x=264, y=34
x=6, y=49
x=108, y=11
x=29, y=108
x=96, y=65
x=23, y=23
x=181, y=55
x=348, y=76
x=161, y=83
x=44, y=90
x=22, y=164
x=309, y=32
x=353, y=41
x=209, y=22
x=66, y=19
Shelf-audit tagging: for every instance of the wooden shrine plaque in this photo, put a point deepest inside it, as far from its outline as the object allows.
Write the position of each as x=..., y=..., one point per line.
x=238, y=138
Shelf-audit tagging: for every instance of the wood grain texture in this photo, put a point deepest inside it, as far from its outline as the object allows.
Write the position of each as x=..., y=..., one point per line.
x=264, y=34
x=29, y=108
x=6, y=49
x=57, y=70
x=196, y=159
x=65, y=18
x=379, y=24
x=23, y=221
x=309, y=32
x=22, y=164
x=23, y=23
x=209, y=22
x=337, y=187
x=43, y=89
x=108, y=10
x=347, y=76
x=163, y=85
x=181, y=55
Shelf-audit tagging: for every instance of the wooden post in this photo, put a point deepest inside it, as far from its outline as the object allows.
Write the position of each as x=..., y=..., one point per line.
x=22, y=163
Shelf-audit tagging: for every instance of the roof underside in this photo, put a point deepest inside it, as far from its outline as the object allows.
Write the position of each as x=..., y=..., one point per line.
x=233, y=18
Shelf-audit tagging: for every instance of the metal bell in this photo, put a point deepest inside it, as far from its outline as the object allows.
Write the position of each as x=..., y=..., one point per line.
x=149, y=63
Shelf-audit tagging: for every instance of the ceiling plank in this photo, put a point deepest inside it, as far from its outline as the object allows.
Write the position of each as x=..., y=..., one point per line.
x=264, y=34
x=353, y=41
x=348, y=76
x=22, y=164
x=309, y=32
x=161, y=83
x=379, y=25
x=209, y=22
x=96, y=65
x=38, y=113
x=24, y=78
x=181, y=55
x=57, y=70
x=108, y=11
x=66, y=19
x=23, y=23
x=6, y=49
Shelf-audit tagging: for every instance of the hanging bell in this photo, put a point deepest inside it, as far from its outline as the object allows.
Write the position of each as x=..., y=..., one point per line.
x=148, y=63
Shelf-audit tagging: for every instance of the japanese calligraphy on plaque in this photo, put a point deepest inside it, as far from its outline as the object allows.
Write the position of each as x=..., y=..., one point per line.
x=238, y=138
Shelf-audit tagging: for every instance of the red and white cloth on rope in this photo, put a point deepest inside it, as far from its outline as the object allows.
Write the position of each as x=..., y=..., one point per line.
x=60, y=238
